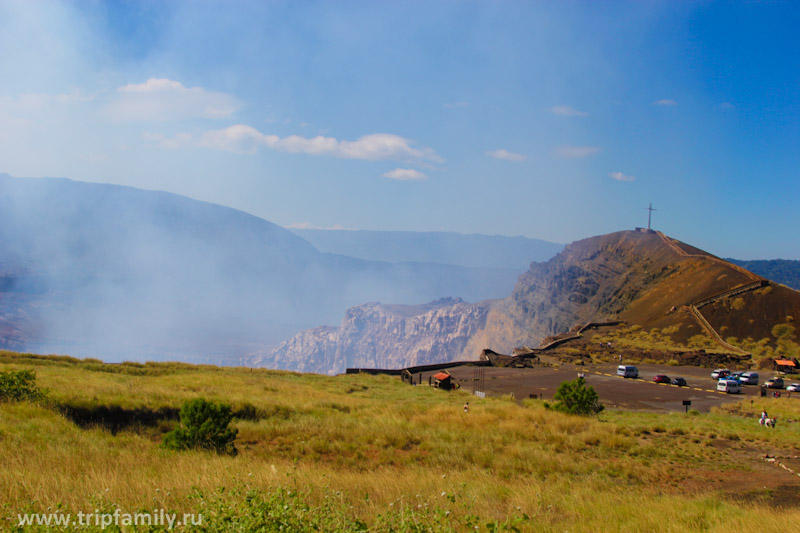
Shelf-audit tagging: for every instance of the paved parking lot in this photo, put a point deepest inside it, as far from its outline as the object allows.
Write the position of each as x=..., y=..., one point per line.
x=614, y=391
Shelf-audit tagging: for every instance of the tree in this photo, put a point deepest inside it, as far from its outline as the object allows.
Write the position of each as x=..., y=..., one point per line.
x=204, y=425
x=576, y=398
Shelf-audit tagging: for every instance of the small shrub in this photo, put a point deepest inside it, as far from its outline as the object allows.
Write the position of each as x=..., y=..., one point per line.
x=247, y=411
x=575, y=397
x=204, y=425
x=19, y=386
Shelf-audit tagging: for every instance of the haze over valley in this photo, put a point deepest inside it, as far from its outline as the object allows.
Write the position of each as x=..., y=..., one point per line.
x=125, y=274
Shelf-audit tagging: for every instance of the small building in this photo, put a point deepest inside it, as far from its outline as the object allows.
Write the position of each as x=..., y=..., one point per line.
x=442, y=380
x=786, y=366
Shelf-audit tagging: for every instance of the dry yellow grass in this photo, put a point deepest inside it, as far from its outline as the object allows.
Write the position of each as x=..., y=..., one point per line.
x=372, y=448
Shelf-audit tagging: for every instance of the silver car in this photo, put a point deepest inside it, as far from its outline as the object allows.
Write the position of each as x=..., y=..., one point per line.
x=749, y=378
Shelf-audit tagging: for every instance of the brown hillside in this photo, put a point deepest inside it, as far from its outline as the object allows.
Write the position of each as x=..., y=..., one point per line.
x=756, y=312
x=641, y=278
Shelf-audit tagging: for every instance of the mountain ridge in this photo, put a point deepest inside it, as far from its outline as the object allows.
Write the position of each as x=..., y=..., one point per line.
x=471, y=250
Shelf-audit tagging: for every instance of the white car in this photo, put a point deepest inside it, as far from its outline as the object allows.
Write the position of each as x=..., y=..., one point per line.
x=731, y=386
x=794, y=387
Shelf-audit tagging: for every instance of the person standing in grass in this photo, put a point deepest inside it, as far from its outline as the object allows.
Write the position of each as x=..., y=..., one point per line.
x=466, y=407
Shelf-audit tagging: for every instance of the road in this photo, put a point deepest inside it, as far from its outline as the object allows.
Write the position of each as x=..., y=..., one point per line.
x=615, y=392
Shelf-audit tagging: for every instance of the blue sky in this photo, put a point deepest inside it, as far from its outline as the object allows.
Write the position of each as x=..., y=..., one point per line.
x=555, y=120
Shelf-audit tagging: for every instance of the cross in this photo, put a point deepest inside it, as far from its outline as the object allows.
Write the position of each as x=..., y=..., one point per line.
x=650, y=214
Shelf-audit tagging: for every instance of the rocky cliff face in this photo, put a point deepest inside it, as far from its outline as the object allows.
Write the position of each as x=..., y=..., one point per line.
x=382, y=336
x=591, y=280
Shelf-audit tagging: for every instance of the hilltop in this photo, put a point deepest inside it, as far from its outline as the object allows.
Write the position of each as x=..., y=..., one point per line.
x=682, y=297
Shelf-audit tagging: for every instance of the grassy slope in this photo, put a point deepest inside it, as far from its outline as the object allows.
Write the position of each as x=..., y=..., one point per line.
x=350, y=450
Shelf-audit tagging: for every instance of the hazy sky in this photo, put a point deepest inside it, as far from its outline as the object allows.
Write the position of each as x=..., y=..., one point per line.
x=555, y=120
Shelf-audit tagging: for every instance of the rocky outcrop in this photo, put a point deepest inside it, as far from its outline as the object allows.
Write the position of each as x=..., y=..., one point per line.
x=382, y=336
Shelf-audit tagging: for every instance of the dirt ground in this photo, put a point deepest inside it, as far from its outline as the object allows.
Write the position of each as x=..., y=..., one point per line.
x=640, y=394
x=756, y=481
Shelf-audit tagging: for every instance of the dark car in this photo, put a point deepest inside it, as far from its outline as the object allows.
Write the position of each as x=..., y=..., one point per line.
x=774, y=383
x=680, y=382
x=661, y=378
x=720, y=373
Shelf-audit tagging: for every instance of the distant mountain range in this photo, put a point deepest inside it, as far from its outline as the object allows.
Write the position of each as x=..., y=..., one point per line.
x=786, y=271
x=121, y=273
x=476, y=251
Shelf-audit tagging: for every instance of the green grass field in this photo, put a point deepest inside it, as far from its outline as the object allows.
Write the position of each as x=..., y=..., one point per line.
x=369, y=452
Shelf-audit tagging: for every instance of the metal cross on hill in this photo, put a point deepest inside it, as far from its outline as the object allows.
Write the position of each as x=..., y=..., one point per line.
x=650, y=214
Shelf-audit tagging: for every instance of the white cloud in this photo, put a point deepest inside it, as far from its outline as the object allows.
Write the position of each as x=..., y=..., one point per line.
x=576, y=152
x=619, y=176
x=567, y=111
x=505, y=154
x=405, y=174
x=242, y=138
x=161, y=99
x=153, y=85
x=665, y=102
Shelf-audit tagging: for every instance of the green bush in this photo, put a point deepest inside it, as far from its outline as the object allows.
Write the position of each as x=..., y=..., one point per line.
x=204, y=425
x=19, y=386
x=575, y=397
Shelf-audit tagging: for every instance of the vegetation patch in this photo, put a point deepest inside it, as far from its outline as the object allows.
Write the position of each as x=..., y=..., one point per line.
x=19, y=386
x=576, y=398
x=204, y=425
x=389, y=457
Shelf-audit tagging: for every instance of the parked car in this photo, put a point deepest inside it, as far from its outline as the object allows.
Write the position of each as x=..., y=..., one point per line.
x=627, y=371
x=774, y=383
x=749, y=378
x=730, y=386
x=720, y=373
x=662, y=378
x=680, y=382
x=794, y=387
